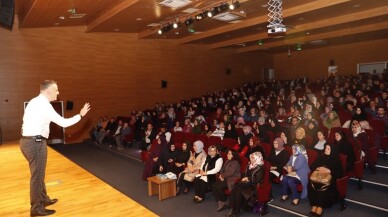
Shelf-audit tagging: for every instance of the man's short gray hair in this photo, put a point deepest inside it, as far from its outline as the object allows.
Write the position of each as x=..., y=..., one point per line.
x=46, y=84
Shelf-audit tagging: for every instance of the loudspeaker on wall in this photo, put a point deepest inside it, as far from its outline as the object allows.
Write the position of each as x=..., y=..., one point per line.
x=164, y=84
x=7, y=13
x=69, y=105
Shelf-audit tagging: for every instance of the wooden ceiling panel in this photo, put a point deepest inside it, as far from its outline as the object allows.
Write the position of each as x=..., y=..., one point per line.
x=322, y=19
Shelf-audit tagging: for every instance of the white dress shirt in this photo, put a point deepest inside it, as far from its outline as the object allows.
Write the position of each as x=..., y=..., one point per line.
x=38, y=115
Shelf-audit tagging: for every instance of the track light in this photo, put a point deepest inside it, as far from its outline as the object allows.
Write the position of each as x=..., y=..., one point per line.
x=189, y=21
x=176, y=25
x=234, y=5
x=199, y=17
x=223, y=7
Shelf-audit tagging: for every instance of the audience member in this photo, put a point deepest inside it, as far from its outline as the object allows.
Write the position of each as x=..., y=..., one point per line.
x=229, y=175
x=207, y=174
x=328, y=163
x=243, y=194
x=297, y=173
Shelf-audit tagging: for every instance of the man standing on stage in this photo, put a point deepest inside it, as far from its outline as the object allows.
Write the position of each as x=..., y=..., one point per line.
x=35, y=130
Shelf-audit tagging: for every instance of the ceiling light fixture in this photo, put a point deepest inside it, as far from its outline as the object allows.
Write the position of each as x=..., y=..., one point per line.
x=234, y=5
x=299, y=47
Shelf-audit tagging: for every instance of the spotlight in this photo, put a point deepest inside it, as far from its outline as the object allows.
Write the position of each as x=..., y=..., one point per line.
x=167, y=28
x=223, y=7
x=160, y=31
x=176, y=25
x=189, y=21
x=260, y=42
x=234, y=5
x=209, y=13
x=199, y=17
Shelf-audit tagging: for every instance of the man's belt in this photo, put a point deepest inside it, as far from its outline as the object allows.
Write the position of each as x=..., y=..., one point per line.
x=36, y=138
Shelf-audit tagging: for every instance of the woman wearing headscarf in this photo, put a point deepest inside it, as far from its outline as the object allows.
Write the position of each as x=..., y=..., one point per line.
x=278, y=158
x=360, y=116
x=243, y=195
x=332, y=120
x=207, y=174
x=181, y=159
x=230, y=131
x=167, y=159
x=254, y=146
x=193, y=166
x=297, y=173
x=151, y=165
x=330, y=163
x=344, y=147
x=320, y=144
x=244, y=138
x=229, y=174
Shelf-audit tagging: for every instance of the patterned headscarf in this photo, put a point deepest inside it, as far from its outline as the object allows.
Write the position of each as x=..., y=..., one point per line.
x=258, y=160
x=199, y=146
x=299, y=149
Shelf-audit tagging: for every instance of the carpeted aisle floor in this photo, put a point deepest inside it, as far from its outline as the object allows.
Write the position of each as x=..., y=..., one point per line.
x=124, y=174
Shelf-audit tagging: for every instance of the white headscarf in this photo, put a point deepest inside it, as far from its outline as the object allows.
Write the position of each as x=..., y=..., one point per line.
x=199, y=146
x=258, y=160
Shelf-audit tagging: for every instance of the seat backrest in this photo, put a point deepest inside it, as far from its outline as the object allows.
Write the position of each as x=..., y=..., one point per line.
x=267, y=148
x=342, y=158
x=177, y=137
x=243, y=164
x=228, y=143
x=312, y=156
x=189, y=137
x=202, y=138
x=377, y=126
x=371, y=137
x=264, y=189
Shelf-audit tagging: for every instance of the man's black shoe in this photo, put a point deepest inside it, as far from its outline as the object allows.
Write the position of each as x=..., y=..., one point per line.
x=50, y=202
x=42, y=212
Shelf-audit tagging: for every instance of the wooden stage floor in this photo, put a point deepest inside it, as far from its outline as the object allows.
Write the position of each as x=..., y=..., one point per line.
x=79, y=192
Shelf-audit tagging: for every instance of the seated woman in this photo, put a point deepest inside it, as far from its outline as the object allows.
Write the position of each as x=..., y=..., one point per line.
x=167, y=159
x=230, y=131
x=254, y=146
x=300, y=137
x=327, y=163
x=344, y=147
x=360, y=136
x=229, y=174
x=197, y=127
x=151, y=165
x=207, y=130
x=297, y=173
x=207, y=174
x=332, y=121
x=278, y=158
x=320, y=145
x=359, y=115
x=243, y=194
x=193, y=166
x=181, y=159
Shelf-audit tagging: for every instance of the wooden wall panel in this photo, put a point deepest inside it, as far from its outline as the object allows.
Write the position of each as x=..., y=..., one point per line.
x=115, y=72
x=314, y=63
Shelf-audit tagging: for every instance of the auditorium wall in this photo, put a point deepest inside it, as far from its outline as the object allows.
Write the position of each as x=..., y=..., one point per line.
x=314, y=63
x=115, y=72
